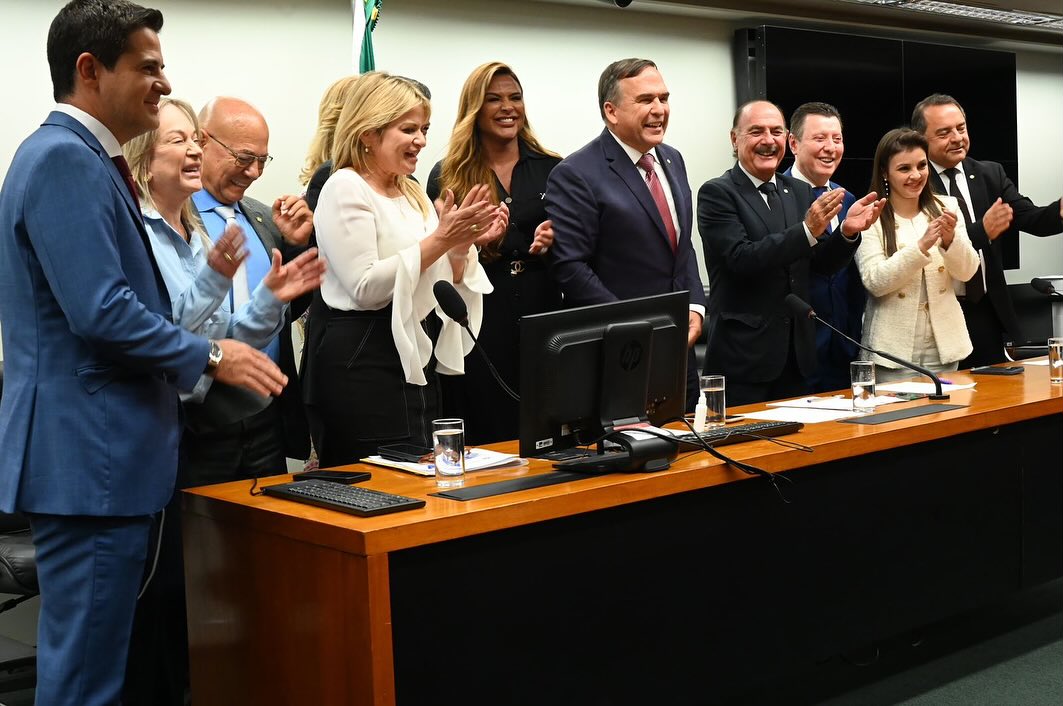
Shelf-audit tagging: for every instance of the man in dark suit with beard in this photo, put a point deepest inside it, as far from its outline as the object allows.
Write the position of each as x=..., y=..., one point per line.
x=762, y=233
x=994, y=209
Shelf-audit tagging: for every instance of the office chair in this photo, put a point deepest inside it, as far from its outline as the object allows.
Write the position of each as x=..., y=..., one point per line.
x=18, y=576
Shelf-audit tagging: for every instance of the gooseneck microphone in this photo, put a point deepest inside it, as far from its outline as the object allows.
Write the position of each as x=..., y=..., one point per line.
x=800, y=308
x=454, y=307
x=1044, y=287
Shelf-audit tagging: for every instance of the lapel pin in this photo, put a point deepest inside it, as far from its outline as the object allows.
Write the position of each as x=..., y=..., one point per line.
x=258, y=218
x=668, y=160
x=786, y=191
x=970, y=176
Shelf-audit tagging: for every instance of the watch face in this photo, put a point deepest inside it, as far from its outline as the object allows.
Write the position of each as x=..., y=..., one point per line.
x=215, y=354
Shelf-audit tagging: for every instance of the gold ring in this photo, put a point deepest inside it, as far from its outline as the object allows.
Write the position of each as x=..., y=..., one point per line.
x=228, y=257
x=475, y=228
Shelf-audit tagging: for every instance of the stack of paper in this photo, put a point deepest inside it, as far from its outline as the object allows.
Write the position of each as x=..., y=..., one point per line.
x=475, y=460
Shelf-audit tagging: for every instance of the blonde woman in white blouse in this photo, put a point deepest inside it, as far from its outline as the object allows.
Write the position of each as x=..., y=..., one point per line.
x=909, y=261
x=369, y=365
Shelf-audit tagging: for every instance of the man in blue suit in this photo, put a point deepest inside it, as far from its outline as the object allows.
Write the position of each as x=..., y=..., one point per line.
x=89, y=422
x=621, y=208
x=838, y=297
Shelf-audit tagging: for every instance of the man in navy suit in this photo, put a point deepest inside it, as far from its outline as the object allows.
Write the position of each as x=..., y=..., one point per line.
x=90, y=418
x=621, y=208
x=762, y=233
x=994, y=209
x=838, y=297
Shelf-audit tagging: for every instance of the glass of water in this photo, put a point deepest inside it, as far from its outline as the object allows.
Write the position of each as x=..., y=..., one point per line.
x=862, y=375
x=448, y=438
x=714, y=389
x=1055, y=360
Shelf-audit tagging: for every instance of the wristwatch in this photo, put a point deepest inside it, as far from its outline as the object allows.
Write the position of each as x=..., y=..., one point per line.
x=214, y=359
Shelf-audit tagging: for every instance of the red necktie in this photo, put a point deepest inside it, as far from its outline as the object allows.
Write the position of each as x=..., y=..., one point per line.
x=123, y=169
x=657, y=191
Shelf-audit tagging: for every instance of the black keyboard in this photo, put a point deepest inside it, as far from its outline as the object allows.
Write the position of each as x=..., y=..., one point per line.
x=733, y=434
x=352, y=499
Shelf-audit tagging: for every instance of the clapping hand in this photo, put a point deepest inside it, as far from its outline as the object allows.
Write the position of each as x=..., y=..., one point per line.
x=997, y=219
x=544, y=238
x=862, y=214
x=823, y=210
x=947, y=231
x=290, y=280
x=462, y=225
x=227, y=254
x=294, y=219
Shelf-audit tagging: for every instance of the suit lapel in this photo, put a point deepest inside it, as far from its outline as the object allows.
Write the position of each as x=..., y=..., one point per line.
x=976, y=186
x=788, y=196
x=621, y=165
x=682, y=205
x=64, y=120
x=255, y=218
x=752, y=197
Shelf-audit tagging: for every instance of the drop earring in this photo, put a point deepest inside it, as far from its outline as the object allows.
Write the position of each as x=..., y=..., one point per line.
x=886, y=189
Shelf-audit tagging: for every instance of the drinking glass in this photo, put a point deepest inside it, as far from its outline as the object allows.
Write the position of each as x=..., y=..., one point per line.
x=448, y=438
x=862, y=375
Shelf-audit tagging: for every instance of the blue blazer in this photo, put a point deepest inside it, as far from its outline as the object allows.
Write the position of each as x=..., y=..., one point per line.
x=89, y=423
x=609, y=239
x=839, y=298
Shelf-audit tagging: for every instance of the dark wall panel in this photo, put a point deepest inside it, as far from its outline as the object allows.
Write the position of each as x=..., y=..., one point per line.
x=875, y=82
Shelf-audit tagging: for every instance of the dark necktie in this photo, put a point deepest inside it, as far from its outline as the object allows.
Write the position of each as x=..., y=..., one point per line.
x=975, y=287
x=123, y=169
x=657, y=191
x=818, y=191
x=777, y=222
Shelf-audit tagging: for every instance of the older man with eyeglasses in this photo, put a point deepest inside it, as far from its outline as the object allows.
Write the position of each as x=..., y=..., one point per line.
x=224, y=444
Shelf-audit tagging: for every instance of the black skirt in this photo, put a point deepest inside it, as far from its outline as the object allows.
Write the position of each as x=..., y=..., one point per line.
x=356, y=394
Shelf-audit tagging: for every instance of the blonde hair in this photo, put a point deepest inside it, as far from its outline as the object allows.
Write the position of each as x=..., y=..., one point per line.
x=328, y=113
x=465, y=163
x=378, y=100
x=139, y=151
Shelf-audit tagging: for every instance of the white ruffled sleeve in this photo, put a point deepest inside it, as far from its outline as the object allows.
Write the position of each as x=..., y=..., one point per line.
x=453, y=343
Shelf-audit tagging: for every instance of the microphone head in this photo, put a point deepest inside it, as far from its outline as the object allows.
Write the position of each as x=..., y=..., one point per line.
x=1042, y=285
x=799, y=307
x=451, y=302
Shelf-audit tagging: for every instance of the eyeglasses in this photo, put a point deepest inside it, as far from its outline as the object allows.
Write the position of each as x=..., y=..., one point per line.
x=243, y=159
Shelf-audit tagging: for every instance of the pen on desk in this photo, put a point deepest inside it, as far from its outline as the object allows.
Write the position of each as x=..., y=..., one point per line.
x=945, y=382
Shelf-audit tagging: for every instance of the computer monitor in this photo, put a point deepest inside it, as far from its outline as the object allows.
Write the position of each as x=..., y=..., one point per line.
x=587, y=371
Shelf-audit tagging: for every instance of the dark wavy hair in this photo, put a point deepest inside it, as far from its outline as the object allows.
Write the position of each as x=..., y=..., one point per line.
x=99, y=27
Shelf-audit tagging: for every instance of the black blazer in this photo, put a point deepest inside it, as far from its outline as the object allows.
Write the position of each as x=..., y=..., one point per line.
x=609, y=239
x=751, y=270
x=987, y=182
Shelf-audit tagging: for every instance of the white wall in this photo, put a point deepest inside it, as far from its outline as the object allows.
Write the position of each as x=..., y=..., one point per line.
x=281, y=55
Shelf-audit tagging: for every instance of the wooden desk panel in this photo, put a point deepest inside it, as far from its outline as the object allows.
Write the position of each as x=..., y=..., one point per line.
x=252, y=560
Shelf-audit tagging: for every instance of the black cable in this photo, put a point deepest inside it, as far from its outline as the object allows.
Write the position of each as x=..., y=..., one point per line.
x=254, y=484
x=746, y=468
x=491, y=367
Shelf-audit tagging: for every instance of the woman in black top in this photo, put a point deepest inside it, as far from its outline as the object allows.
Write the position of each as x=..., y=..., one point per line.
x=492, y=143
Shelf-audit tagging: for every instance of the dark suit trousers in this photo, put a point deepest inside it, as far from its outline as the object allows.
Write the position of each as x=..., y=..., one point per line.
x=89, y=570
x=986, y=331
x=790, y=383
x=249, y=448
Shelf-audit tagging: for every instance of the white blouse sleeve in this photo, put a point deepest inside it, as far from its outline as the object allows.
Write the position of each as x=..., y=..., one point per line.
x=374, y=254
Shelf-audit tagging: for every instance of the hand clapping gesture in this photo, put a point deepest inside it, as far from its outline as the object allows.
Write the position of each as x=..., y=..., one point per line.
x=296, y=278
x=294, y=219
x=544, y=238
x=862, y=214
x=227, y=254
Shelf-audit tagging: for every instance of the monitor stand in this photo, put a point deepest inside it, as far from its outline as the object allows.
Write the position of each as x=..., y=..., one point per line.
x=639, y=453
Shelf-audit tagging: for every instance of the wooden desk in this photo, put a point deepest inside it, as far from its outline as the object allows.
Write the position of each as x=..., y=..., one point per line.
x=644, y=588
